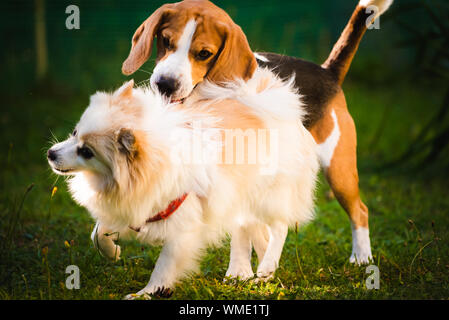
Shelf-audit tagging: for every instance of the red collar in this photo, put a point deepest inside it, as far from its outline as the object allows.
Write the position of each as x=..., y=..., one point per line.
x=165, y=214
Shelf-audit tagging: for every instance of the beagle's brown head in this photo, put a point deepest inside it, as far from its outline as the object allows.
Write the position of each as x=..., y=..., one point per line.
x=196, y=40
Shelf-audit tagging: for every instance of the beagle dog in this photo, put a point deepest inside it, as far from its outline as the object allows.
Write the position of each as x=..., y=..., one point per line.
x=198, y=42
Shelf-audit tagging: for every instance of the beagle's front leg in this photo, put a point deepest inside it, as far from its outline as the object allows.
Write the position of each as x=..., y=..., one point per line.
x=103, y=241
x=178, y=257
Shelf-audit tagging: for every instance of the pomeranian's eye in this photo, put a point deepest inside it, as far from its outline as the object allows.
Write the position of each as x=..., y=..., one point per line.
x=166, y=42
x=85, y=152
x=74, y=133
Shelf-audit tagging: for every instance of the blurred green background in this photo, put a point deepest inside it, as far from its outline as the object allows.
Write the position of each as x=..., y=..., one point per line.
x=397, y=91
x=90, y=58
x=408, y=55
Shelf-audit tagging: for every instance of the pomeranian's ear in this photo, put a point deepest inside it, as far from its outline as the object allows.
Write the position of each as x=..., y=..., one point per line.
x=125, y=91
x=126, y=142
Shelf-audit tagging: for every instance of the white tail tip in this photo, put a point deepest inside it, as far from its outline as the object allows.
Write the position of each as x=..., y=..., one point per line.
x=382, y=5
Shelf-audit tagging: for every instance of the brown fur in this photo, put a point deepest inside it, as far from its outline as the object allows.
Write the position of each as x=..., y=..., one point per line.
x=344, y=50
x=342, y=174
x=319, y=85
x=216, y=32
x=322, y=93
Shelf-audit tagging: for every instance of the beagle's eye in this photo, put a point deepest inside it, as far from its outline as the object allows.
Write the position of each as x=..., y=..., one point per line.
x=85, y=152
x=204, y=54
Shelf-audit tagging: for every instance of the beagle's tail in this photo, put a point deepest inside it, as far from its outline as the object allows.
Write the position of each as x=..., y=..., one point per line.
x=344, y=50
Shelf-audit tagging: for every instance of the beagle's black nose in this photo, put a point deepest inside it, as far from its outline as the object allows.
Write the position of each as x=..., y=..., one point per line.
x=51, y=155
x=167, y=86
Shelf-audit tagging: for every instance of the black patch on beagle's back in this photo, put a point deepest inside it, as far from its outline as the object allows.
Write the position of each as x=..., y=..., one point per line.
x=316, y=84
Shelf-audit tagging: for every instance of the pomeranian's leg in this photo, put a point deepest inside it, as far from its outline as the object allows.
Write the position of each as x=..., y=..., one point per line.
x=270, y=261
x=103, y=240
x=178, y=257
x=260, y=235
x=240, y=260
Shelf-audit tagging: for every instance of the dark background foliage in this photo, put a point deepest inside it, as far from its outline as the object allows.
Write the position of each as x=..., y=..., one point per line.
x=411, y=48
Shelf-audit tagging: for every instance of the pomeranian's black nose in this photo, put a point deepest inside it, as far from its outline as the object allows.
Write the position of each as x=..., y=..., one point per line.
x=51, y=155
x=167, y=86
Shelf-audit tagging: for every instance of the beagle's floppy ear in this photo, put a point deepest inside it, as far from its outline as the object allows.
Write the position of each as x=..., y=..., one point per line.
x=236, y=60
x=142, y=41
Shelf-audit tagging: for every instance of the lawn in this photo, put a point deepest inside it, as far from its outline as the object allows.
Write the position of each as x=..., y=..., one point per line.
x=42, y=231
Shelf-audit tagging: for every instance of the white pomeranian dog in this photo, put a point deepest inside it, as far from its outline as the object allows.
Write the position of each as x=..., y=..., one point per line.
x=225, y=161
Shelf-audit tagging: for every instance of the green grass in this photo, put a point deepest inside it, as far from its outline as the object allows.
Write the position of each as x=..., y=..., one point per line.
x=409, y=219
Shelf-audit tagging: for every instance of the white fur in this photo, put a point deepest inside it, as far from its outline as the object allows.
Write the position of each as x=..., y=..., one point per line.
x=104, y=242
x=361, y=246
x=240, y=259
x=260, y=57
x=382, y=5
x=268, y=246
x=217, y=202
x=177, y=65
x=268, y=102
x=258, y=235
x=326, y=149
x=270, y=261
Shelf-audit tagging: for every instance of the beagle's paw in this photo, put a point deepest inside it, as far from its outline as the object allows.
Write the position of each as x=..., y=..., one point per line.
x=361, y=257
x=361, y=246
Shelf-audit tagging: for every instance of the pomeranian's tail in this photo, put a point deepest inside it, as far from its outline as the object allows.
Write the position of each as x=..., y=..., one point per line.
x=344, y=50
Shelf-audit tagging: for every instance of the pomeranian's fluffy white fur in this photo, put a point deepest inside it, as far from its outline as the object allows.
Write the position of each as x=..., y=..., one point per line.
x=127, y=161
